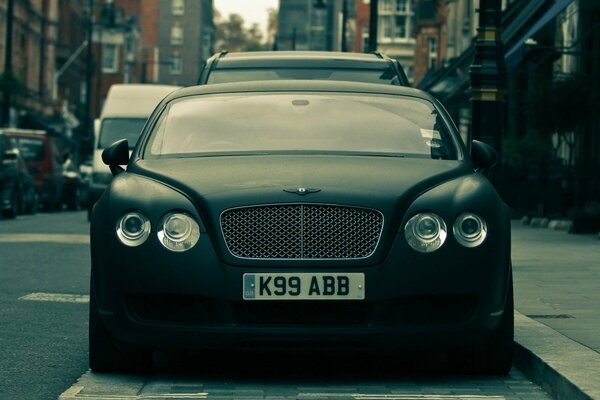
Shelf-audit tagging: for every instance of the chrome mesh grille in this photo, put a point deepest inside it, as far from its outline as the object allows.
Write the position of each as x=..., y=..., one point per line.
x=301, y=231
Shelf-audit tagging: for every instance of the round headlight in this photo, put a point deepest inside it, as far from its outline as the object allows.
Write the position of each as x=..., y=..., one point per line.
x=133, y=229
x=425, y=232
x=178, y=232
x=470, y=229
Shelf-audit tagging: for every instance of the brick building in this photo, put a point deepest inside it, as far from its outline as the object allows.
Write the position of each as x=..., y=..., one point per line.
x=116, y=48
x=430, y=33
x=33, y=53
x=395, y=30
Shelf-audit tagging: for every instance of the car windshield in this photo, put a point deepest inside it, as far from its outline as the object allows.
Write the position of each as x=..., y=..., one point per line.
x=302, y=122
x=386, y=76
x=114, y=129
x=32, y=149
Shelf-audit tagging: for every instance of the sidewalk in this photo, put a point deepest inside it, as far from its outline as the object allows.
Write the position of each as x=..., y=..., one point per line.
x=557, y=286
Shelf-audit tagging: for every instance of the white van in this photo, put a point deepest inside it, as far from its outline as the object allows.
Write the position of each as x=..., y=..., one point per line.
x=126, y=110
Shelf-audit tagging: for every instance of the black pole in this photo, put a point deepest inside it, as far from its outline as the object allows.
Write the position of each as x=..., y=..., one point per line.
x=89, y=72
x=294, y=39
x=373, y=15
x=344, y=22
x=8, y=72
x=488, y=78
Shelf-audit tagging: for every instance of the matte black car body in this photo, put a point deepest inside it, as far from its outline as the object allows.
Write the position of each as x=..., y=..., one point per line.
x=306, y=60
x=146, y=297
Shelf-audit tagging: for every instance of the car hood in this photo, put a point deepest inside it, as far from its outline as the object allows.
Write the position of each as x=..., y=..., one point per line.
x=388, y=184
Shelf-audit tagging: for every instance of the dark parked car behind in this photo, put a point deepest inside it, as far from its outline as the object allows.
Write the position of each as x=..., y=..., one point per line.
x=313, y=213
x=44, y=157
x=18, y=193
x=227, y=67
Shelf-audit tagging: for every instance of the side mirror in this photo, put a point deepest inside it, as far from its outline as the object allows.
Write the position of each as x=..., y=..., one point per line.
x=115, y=155
x=483, y=156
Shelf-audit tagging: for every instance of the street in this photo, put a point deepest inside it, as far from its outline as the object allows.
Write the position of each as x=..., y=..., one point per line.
x=43, y=343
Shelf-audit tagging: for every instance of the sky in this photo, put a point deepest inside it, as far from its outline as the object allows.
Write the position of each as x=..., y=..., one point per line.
x=251, y=10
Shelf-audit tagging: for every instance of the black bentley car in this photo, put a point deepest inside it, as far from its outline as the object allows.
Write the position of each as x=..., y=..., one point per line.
x=304, y=213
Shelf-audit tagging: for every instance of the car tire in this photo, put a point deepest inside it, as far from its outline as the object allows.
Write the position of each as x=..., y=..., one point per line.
x=494, y=357
x=11, y=213
x=73, y=200
x=104, y=354
x=497, y=356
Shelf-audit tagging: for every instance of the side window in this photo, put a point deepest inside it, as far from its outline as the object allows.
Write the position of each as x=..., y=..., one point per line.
x=176, y=64
x=110, y=58
x=177, y=34
x=177, y=7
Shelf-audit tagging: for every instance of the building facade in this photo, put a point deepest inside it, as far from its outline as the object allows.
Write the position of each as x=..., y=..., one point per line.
x=396, y=27
x=116, y=48
x=34, y=37
x=430, y=36
x=186, y=34
x=551, y=146
x=316, y=25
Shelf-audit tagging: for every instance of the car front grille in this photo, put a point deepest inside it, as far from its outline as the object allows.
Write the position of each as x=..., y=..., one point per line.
x=301, y=231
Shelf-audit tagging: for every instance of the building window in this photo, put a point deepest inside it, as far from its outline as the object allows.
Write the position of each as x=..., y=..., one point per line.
x=176, y=67
x=110, y=58
x=395, y=20
x=177, y=34
x=177, y=7
x=432, y=53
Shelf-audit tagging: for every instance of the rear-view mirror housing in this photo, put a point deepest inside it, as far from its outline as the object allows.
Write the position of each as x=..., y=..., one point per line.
x=115, y=155
x=483, y=155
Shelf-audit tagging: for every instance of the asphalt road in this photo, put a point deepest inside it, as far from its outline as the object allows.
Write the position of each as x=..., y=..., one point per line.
x=44, y=264
x=43, y=344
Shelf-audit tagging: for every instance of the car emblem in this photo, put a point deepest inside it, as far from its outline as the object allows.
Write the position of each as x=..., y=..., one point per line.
x=302, y=191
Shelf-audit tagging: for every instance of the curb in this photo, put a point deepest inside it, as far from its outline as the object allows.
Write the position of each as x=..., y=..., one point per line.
x=562, y=367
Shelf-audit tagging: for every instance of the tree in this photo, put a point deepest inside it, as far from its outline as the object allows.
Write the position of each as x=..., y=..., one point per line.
x=232, y=35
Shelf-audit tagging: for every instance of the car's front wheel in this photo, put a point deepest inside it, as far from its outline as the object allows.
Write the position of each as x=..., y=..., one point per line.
x=12, y=211
x=497, y=356
x=104, y=354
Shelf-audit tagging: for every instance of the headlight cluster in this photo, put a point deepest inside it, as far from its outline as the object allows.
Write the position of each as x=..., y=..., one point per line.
x=177, y=231
x=426, y=232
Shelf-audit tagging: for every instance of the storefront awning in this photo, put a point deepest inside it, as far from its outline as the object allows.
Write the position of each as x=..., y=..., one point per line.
x=514, y=56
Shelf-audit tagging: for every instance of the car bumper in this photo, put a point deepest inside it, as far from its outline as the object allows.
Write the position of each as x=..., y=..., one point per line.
x=155, y=299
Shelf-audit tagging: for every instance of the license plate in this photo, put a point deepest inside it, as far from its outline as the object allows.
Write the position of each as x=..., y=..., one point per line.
x=304, y=286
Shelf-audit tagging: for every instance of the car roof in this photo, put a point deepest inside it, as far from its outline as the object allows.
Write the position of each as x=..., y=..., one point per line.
x=301, y=59
x=134, y=100
x=299, y=86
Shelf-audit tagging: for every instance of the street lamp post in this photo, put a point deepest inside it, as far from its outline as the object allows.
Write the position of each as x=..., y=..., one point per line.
x=373, y=15
x=488, y=78
x=8, y=72
x=88, y=131
x=344, y=46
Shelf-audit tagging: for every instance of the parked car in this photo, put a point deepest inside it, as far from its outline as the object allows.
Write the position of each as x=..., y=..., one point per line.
x=309, y=212
x=44, y=159
x=75, y=187
x=17, y=186
x=125, y=111
x=227, y=67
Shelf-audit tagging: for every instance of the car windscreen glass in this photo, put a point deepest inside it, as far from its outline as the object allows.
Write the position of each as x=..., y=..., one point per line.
x=32, y=149
x=114, y=129
x=302, y=122
x=386, y=76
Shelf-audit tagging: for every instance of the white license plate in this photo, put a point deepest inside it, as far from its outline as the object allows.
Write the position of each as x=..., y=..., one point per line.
x=304, y=286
